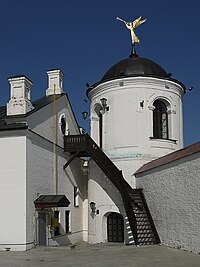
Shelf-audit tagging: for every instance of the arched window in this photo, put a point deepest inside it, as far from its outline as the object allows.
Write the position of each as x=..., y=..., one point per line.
x=160, y=120
x=100, y=129
x=63, y=125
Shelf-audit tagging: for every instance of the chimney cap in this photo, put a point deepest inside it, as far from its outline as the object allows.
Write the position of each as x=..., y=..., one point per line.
x=55, y=82
x=55, y=70
x=19, y=77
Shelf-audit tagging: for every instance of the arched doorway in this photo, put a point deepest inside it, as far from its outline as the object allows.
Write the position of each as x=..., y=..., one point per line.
x=115, y=227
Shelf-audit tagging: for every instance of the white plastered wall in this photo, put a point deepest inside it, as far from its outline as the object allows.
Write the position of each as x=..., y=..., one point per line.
x=40, y=152
x=172, y=194
x=108, y=199
x=27, y=172
x=42, y=121
x=13, y=193
x=128, y=126
x=40, y=181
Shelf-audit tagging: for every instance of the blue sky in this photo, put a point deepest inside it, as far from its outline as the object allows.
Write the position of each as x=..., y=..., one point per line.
x=84, y=39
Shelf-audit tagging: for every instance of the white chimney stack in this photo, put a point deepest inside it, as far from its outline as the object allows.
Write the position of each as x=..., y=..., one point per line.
x=20, y=88
x=55, y=77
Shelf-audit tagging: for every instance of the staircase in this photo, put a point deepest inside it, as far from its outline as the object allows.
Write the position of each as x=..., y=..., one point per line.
x=139, y=218
x=146, y=231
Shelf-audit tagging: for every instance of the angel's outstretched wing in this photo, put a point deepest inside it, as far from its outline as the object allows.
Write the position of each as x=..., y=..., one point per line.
x=138, y=22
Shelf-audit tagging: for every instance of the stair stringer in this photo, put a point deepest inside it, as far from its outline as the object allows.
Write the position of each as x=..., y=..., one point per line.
x=116, y=177
x=84, y=146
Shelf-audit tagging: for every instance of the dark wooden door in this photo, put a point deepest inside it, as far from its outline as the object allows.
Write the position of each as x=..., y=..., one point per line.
x=42, y=228
x=115, y=224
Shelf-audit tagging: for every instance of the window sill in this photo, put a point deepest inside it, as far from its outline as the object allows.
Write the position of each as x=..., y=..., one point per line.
x=68, y=233
x=163, y=140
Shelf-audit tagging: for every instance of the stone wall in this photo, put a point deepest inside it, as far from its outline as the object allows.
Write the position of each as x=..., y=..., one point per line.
x=172, y=193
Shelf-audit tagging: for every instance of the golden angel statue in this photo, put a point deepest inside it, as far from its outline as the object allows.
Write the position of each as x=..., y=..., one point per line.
x=131, y=26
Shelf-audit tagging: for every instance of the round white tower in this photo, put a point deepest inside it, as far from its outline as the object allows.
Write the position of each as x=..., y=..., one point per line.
x=136, y=113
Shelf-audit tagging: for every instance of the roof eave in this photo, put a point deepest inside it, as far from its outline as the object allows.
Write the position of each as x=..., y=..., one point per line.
x=147, y=76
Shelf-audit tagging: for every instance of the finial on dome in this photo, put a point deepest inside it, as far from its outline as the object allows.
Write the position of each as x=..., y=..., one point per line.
x=131, y=26
x=133, y=51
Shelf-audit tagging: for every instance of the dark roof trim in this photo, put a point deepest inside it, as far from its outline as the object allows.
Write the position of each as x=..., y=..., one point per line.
x=70, y=105
x=13, y=126
x=50, y=201
x=38, y=104
x=184, y=152
x=151, y=76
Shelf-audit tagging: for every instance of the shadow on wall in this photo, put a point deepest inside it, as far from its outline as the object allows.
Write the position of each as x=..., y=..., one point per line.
x=61, y=239
x=106, y=206
x=77, y=178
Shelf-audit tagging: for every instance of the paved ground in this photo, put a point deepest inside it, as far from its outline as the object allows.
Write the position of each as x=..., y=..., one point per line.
x=104, y=255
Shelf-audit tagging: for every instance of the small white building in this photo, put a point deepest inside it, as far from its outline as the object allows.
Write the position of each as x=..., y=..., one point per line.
x=42, y=203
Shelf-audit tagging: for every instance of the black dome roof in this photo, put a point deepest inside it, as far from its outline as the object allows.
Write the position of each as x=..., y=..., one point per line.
x=135, y=66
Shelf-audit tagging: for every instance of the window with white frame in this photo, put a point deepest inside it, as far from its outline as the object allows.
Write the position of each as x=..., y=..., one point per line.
x=63, y=125
x=76, y=196
x=56, y=222
x=160, y=120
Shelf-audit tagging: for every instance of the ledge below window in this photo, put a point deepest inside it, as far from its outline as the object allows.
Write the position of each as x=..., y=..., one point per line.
x=163, y=140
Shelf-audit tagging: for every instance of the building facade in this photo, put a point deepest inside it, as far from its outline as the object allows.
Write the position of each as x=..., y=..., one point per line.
x=32, y=175
x=89, y=187
x=136, y=117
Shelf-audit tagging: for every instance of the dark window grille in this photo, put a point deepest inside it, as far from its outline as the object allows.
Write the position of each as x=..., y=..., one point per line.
x=76, y=196
x=67, y=223
x=160, y=120
x=115, y=227
x=56, y=223
x=63, y=125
